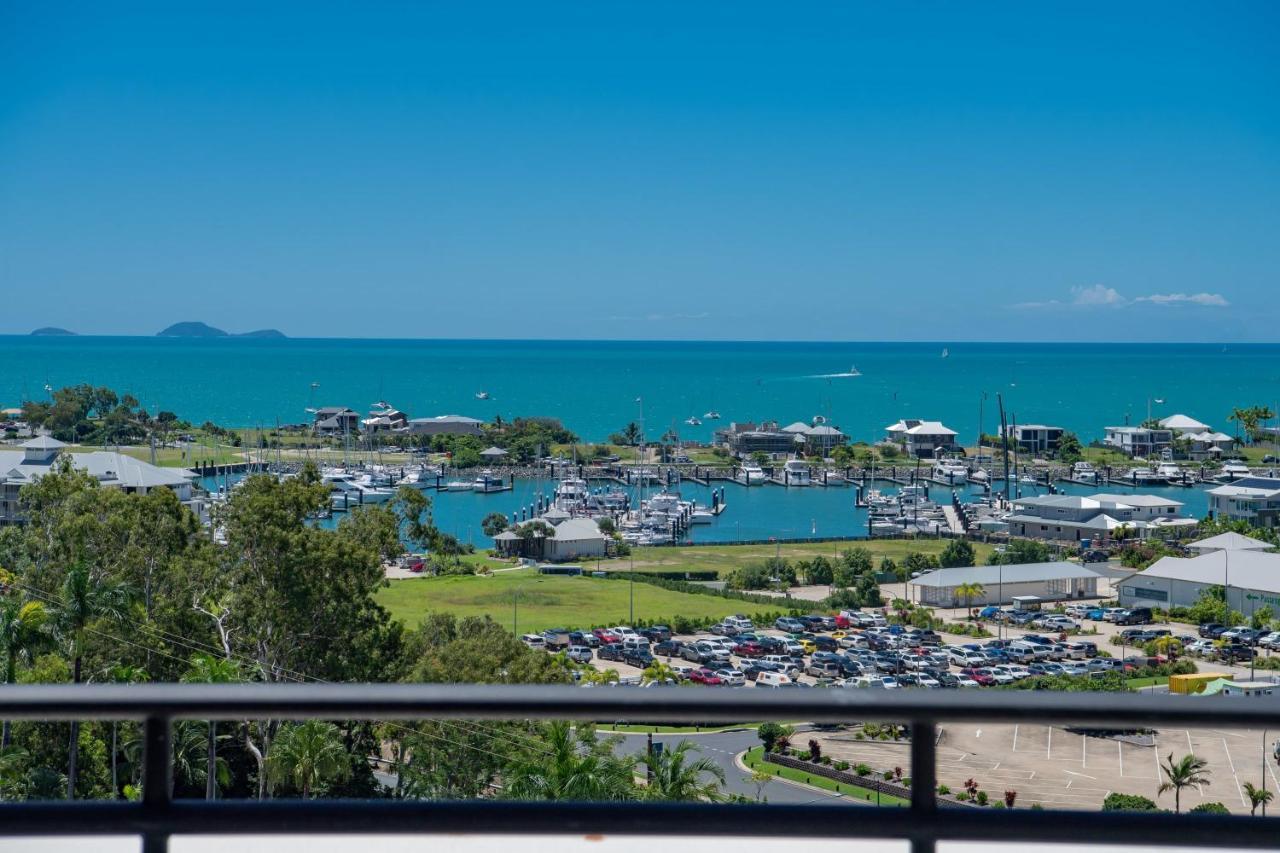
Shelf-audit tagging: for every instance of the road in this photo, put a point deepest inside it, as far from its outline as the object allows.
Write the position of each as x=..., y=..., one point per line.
x=721, y=748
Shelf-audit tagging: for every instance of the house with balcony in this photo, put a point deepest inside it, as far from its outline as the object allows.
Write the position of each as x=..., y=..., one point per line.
x=1037, y=439
x=336, y=420
x=1073, y=518
x=816, y=439
x=1139, y=441
x=922, y=439
x=746, y=438
x=446, y=425
x=1255, y=500
x=1183, y=425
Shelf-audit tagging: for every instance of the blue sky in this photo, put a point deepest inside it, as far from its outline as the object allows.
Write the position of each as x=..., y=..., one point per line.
x=842, y=171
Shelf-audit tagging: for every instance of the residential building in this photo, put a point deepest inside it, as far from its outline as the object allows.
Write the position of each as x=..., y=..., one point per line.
x=573, y=539
x=446, y=425
x=112, y=470
x=1250, y=578
x=744, y=439
x=1252, y=499
x=1139, y=441
x=922, y=439
x=1035, y=438
x=1209, y=444
x=385, y=418
x=1057, y=581
x=1183, y=425
x=817, y=439
x=1073, y=518
x=336, y=420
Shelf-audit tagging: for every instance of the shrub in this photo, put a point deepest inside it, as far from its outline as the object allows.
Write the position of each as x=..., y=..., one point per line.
x=962, y=797
x=888, y=774
x=997, y=805
x=842, y=766
x=769, y=734
x=815, y=749
x=1036, y=807
x=803, y=756
x=982, y=798
x=1128, y=803
x=1010, y=797
x=943, y=790
x=1210, y=808
x=862, y=769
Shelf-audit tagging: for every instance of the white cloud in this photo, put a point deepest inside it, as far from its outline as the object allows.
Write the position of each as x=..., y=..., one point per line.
x=1101, y=296
x=1098, y=294
x=1213, y=299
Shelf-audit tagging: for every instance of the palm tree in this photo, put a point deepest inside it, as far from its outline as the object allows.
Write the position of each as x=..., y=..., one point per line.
x=574, y=766
x=660, y=672
x=12, y=761
x=81, y=601
x=190, y=766
x=21, y=631
x=970, y=591
x=1188, y=771
x=1257, y=797
x=207, y=669
x=672, y=776
x=307, y=755
x=121, y=673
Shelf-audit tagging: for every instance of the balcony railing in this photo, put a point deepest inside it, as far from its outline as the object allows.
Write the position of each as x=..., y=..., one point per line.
x=158, y=815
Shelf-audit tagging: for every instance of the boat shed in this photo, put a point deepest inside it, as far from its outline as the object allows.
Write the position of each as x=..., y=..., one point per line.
x=1056, y=581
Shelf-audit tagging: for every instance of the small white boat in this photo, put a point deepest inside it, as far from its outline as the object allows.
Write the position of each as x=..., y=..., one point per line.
x=460, y=486
x=712, y=415
x=1234, y=470
x=950, y=471
x=482, y=395
x=490, y=482
x=979, y=475
x=693, y=421
x=752, y=475
x=1169, y=471
x=946, y=353
x=701, y=516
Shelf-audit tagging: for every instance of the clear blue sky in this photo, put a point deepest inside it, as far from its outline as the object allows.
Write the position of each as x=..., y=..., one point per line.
x=937, y=171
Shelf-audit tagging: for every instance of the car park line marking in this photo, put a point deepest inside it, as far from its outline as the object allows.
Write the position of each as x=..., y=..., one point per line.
x=1191, y=748
x=1155, y=754
x=1069, y=781
x=1085, y=775
x=1084, y=752
x=1048, y=746
x=1015, y=737
x=1234, y=777
x=1120, y=752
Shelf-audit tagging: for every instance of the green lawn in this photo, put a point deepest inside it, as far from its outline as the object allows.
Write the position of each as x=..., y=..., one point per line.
x=1150, y=681
x=549, y=601
x=755, y=760
x=724, y=558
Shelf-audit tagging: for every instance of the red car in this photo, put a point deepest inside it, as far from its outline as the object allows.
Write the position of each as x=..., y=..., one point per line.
x=978, y=676
x=702, y=675
x=749, y=650
x=604, y=635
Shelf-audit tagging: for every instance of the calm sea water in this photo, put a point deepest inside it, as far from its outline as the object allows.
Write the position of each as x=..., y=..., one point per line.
x=593, y=386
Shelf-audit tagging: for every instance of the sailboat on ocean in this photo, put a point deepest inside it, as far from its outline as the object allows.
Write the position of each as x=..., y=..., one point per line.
x=946, y=353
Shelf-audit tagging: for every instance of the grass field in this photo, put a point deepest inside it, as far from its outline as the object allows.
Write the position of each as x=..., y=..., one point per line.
x=549, y=601
x=724, y=558
x=755, y=760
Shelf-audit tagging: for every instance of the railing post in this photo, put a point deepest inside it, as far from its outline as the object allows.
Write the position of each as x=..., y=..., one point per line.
x=924, y=779
x=157, y=783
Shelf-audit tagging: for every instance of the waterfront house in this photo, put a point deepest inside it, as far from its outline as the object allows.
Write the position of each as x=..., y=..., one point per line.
x=336, y=420
x=570, y=539
x=1056, y=581
x=493, y=455
x=446, y=425
x=817, y=439
x=1073, y=518
x=111, y=469
x=1255, y=500
x=1139, y=441
x=385, y=418
x=922, y=439
x=1209, y=444
x=744, y=439
x=1035, y=438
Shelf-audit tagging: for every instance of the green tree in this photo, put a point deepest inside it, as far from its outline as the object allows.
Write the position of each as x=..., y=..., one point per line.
x=630, y=435
x=819, y=571
x=771, y=734
x=307, y=757
x=22, y=632
x=1187, y=772
x=493, y=524
x=1020, y=551
x=1257, y=797
x=121, y=673
x=1128, y=803
x=207, y=669
x=84, y=600
x=968, y=592
x=957, y=553
x=1070, y=450
x=675, y=775
x=573, y=766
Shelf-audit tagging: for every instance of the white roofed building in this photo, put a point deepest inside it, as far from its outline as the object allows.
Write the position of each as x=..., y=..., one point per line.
x=1074, y=518
x=1183, y=425
x=1255, y=500
x=1057, y=581
x=1250, y=577
x=922, y=439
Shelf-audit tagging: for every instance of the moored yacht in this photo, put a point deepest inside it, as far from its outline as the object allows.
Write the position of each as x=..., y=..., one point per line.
x=1233, y=469
x=752, y=475
x=490, y=482
x=795, y=472
x=950, y=471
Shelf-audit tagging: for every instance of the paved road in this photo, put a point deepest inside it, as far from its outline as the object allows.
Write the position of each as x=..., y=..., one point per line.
x=721, y=748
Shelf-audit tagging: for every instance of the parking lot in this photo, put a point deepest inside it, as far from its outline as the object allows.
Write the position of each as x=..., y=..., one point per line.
x=1059, y=768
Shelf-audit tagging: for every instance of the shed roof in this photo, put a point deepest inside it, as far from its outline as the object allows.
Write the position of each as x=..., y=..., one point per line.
x=1230, y=541
x=1018, y=573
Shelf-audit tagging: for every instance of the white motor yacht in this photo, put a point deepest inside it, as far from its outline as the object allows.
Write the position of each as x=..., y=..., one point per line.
x=712, y=415
x=490, y=482
x=795, y=472
x=1234, y=470
x=950, y=471
x=1169, y=470
x=693, y=421
x=752, y=475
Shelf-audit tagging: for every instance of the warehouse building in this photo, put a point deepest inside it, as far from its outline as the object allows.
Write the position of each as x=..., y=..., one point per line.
x=1058, y=581
x=1251, y=579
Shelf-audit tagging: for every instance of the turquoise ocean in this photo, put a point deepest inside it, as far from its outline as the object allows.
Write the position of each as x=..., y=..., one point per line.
x=594, y=386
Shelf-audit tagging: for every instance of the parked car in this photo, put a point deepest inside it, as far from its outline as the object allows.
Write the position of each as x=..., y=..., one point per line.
x=1233, y=652
x=604, y=635
x=748, y=650
x=823, y=669
x=534, y=641
x=580, y=654
x=731, y=677
x=702, y=675
x=724, y=629
x=656, y=633
x=1211, y=630
x=1136, y=616
x=985, y=679
x=610, y=651
x=583, y=638
x=823, y=643
x=1058, y=623
x=668, y=648
x=740, y=622
x=637, y=657
x=789, y=624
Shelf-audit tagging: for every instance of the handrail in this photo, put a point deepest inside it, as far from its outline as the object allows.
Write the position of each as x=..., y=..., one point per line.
x=158, y=816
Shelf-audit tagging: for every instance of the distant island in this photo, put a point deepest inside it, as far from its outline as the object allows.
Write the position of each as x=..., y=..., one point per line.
x=52, y=332
x=196, y=329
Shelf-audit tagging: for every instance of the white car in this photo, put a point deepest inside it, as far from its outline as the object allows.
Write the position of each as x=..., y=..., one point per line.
x=1270, y=641
x=623, y=632
x=927, y=681
x=1017, y=671
x=877, y=681
x=1110, y=613
x=964, y=657
x=1074, y=668
x=966, y=681
x=1058, y=623
x=1232, y=633
x=1199, y=647
x=732, y=677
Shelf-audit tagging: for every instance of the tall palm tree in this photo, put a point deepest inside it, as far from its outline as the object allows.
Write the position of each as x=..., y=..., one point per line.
x=81, y=601
x=207, y=669
x=21, y=631
x=673, y=776
x=307, y=755
x=1188, y=771
x=573, y=767
x=12, y=760
x=970, y=591
x=1257, y=797
x=121, y=673
x=189, y=756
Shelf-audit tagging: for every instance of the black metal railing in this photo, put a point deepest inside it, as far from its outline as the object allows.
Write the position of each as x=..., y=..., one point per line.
x=159, y=815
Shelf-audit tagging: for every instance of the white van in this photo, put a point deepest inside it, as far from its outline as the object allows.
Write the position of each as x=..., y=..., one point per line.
x=740, y=623
x=1077, y=651
x=534, y=641
x=1026, y=652
x=772, y=679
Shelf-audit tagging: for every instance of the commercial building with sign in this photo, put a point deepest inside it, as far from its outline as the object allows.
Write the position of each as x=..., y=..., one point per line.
x=1251, y=579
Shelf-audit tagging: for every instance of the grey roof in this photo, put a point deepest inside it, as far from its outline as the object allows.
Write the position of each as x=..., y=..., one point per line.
x=1244, y=569
x=43, y=442
x=1182, y=422
x=991, y=575
x=1249, y=487
x=1230, y=541
x=798, y=426
x=108, y=467
x=1136, y=500
x=823, y=429
x=1101, y=521
x=493, y=451
x=447, y=419
x=578, y=530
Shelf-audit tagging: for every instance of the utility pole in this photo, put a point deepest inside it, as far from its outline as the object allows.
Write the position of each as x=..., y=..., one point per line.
x=1004, y=442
